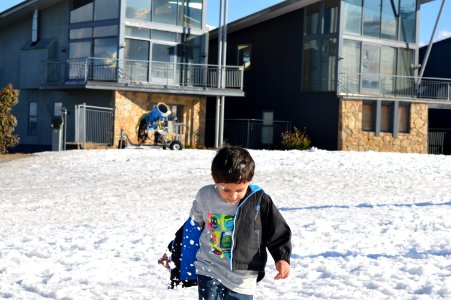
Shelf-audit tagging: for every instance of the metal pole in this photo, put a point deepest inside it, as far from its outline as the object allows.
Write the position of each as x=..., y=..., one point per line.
x=223, y=70
x=65, y=128
x=219, y=83
x=431, y=41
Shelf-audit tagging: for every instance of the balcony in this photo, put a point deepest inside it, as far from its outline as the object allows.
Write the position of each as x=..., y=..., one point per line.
x=141, y=75
x=437, y=90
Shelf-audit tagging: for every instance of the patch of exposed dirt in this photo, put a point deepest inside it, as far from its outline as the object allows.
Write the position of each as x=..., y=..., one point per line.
x=9, y=157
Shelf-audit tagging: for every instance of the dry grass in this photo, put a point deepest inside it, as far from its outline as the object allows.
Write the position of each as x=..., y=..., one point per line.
x=9, y=157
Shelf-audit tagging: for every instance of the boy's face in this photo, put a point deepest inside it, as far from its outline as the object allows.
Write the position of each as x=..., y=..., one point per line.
x=232, y=192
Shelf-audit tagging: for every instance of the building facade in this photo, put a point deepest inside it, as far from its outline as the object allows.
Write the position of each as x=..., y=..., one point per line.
x=126, y=55
x=345, y=71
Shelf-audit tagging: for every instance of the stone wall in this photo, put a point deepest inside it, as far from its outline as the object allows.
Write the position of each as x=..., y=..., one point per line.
x=352, y=137
x=130, y=106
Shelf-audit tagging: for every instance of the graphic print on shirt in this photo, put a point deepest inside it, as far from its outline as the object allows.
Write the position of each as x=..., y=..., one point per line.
x=220, y=229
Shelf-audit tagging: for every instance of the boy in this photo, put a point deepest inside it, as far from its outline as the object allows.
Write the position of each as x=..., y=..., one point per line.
x=239, y=222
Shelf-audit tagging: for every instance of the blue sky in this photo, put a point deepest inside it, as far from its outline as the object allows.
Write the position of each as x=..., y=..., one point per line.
x=241, y=8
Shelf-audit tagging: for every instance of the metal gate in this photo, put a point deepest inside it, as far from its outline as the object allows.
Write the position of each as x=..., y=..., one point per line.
x=94, y=125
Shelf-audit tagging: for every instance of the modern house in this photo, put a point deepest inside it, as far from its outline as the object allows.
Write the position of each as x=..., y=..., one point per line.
x=346, y=71
x=107, y=62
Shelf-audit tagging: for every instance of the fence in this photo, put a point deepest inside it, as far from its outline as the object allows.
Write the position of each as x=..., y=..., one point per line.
x=395, y=86
x=251, y=133
x=140, y=71
x=439, y=141
x=94, y=124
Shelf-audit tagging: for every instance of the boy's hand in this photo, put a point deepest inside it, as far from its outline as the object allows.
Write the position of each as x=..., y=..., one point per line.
x=164, y=261
x=283, y=268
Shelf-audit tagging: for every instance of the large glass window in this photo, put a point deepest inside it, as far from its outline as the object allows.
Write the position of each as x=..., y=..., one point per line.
x=328, y=64
x=80, y=49
x=33, y=119
x=138, y=10
x=350, y=65
x=370, y=67
x=388, y=69
x=330, y=20
x=372, y=18
x=408, y=9
x=82, y=11
x=389, y=24
x=312, y=56
x=137, y=54
x=405, y=82
x=312, y=18
x=137, y=32
x=106, y=9
x=165, y=11
x=353, y=16
x=190, y=12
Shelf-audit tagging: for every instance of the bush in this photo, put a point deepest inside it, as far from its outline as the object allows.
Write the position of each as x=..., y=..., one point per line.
x=8, y=98
x=296, y=140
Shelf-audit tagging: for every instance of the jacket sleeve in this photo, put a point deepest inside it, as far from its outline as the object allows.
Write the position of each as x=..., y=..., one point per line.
x=276, y=232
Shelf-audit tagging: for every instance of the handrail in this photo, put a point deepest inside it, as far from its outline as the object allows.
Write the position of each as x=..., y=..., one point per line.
x=394, y=86
x=140, y=72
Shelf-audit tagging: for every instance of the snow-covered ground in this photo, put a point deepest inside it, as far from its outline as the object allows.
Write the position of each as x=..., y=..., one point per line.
x=92, y=224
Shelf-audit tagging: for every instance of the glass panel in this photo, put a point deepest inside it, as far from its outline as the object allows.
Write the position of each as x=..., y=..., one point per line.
x=405, y=84
x=312, y=16
x=57, y=109
x=330, y=22
x=137, y=32
x=353, y=16
x=244, y=56
x=137, y=52
x=386, y=117
x=372, y=18
x=106, y=31
x=190, y=13
x=80, y=49
x=191, y=49
x=388, y=68
x=389, y=24
x=105, y=69
x=164, y=11
x=105, y=48
x=403, y=118
x=106, y=9
x=370, y=67
x=163, y=69
x=33, y=119
x=408, y=20
x=367, y=116
x=138, y=10
x=312, y=56
x=80, y=33
x=82, y=11
x=350, y=66
x=164, y=36
x=328, y=65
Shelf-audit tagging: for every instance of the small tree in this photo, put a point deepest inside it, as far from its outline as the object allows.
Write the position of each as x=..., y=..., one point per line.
x=8, y=98
x=296, y=140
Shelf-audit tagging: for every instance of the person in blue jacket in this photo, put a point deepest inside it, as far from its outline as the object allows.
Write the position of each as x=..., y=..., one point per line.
x=232, y=223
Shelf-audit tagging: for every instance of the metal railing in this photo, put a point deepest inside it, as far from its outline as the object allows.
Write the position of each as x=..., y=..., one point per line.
x=439, y=141
x=392, y=86
x=93, y=124
x=141, y=72
x=252, y=133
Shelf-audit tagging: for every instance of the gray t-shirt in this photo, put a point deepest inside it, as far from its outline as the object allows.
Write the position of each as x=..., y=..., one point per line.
x=213, y=257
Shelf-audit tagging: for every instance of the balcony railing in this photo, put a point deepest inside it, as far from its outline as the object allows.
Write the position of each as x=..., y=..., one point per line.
x=76, y=71
x=390, y=86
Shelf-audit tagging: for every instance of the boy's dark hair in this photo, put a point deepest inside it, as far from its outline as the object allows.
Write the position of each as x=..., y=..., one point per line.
x=232, y=164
